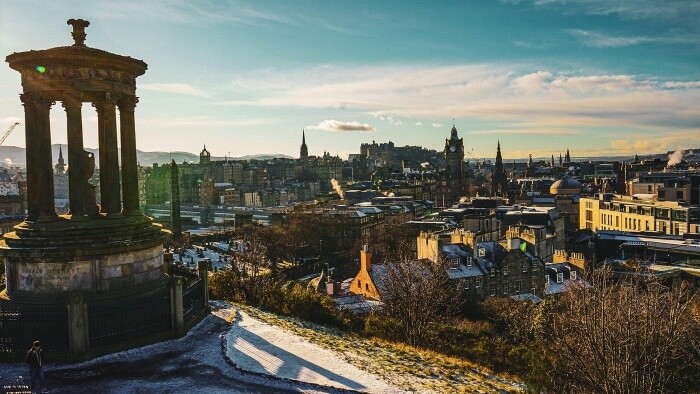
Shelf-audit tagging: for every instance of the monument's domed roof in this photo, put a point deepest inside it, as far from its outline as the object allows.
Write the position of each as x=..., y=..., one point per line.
x=566, y=186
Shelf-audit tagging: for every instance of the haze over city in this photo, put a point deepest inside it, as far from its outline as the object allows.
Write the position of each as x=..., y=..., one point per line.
x=599, y=77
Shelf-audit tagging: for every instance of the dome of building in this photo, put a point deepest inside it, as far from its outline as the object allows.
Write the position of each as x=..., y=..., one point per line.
x=566, y=186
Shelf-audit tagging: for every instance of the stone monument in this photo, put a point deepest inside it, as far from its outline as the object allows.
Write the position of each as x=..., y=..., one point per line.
x=98, y=271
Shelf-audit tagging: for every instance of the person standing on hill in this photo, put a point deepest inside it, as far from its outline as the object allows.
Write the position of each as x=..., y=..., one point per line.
x=35, y=361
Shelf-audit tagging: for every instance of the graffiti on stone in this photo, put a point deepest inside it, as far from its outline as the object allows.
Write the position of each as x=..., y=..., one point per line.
x=54, y=277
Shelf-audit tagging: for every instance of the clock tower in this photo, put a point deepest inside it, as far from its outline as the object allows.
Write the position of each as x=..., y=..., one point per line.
x=454, y=156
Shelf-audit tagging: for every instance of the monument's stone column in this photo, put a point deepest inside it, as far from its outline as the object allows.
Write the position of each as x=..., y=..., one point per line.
x=72, y=103
x=40, y=193
x=109, y=156
x=130, y=176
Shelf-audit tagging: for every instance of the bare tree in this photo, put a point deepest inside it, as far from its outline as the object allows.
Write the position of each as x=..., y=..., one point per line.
x=627, y=336
x=416, y=294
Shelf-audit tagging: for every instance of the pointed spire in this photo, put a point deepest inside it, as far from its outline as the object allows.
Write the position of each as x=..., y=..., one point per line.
x=304, y=150
x=60, y=152
x=498, y=148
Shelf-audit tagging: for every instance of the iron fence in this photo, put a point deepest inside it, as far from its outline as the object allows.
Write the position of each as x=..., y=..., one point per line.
x=192, y=300
x=118, y=320
x=22, y=324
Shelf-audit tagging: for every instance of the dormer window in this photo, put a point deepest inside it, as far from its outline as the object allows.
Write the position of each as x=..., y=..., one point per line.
x=482, y=252
x=469, y=261
x=572, y=275
x=454, y=263
x=560, y=277
x=547, y=280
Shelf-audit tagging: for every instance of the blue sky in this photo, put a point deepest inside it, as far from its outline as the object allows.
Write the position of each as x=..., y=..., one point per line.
x=612, y=77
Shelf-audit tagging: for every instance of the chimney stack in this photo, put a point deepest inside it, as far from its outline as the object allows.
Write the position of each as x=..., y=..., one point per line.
x=365, y=258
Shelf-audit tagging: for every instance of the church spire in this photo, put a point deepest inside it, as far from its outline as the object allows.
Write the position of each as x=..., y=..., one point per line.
x=60, y=168
x=499, y=181
x=304, y=150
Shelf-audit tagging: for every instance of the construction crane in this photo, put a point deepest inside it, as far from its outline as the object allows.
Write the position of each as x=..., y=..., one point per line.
x=7, y=133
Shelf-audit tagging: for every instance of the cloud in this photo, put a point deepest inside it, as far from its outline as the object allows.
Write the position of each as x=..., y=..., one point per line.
x=191, y=13
x=419, y=124
x=525, y=131
x=682, y=85
x=336, y=125
x=516, y=97
x=204, y=121
x=667, y=10
x=640, y=143
x=601, y=40
x=7, y=161
x=174, y=88
x=388, y=119
x=9, y=121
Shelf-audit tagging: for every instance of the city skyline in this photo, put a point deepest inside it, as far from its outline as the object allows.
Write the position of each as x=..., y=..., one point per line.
x=602, y=78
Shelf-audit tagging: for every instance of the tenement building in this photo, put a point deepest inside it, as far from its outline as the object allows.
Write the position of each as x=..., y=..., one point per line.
x=629, y=213
x=92, y=280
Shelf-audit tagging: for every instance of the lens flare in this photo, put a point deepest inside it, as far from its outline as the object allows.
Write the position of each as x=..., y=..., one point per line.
x=41, y=69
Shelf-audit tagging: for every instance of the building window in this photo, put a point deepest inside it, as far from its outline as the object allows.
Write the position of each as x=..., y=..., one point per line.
x=492, y=271
x=492, y=289
x=517, y=287
x=454, y=263
x=560, y=277
x=546, y=279
x=482, y=252
x=505, y=269
x=572, y=275
x=469, y=261
x=367, y=286
x=466, y=284
x=525, y=266
x=505, y=287
x=679, y=194
x=478, y=282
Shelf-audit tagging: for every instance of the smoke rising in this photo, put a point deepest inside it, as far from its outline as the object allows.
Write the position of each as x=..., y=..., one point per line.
x=336, y=187
x=675, y=157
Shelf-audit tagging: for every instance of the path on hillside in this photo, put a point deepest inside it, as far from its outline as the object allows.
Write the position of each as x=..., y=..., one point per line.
x=263, y=348
x=194, y=363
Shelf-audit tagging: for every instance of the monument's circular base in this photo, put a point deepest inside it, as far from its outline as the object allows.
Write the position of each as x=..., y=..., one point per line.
x=36, y=277
x=82, y=325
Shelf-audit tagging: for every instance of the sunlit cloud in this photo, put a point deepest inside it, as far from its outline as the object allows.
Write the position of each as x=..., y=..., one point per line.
x=523, y=131
x=437, y=125
x=336, y=125
x=174, y=88
x=418, y=124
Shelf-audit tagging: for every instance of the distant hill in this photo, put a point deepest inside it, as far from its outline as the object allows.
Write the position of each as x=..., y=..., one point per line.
x=13, y=156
